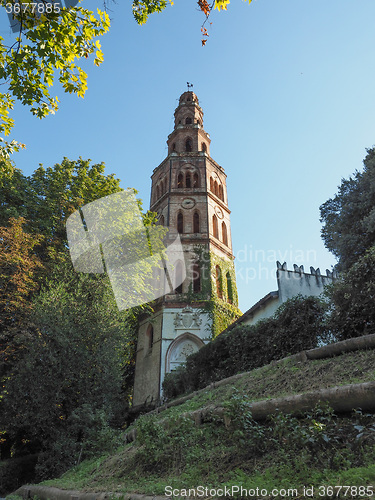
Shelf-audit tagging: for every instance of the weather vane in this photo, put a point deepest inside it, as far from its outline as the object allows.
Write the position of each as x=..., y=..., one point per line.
x=189, y=85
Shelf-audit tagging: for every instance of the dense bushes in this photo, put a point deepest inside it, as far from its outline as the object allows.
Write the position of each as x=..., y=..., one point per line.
x=352, y=300
x=63, y=396
x=297, y=325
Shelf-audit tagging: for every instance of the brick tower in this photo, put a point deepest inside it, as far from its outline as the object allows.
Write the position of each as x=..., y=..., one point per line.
x=189, y=194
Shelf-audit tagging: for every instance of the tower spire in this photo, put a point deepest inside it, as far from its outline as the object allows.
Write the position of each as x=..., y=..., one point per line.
x=189, y=194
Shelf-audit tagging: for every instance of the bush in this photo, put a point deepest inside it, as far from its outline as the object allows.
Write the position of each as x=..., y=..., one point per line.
x=352, y=300
x=296, y=326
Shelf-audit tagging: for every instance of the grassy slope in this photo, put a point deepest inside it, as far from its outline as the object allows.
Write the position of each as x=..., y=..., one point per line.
x=286, y=453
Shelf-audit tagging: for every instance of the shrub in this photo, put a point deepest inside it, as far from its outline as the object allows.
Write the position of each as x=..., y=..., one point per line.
x=352, y=300
x=297, y=325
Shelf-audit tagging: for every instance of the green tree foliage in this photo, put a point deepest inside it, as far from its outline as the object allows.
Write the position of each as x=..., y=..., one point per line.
x=32, y=225
x=15, y=194
x=349, y=217
x=67, y=352
x=352, y=299
x=72, y=368
x=18, y=266
x=51, y=40
x=143, y=8
x=296, y=326
x=56, y=192
x=49, y=196
x=19, y=271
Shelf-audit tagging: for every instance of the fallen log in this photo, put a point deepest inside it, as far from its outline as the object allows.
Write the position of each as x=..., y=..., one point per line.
x=342, y=399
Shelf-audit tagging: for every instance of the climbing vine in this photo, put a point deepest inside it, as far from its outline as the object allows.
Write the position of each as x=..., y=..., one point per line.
x=222, y=310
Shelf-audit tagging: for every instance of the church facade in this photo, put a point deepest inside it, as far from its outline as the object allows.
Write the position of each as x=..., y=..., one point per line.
x=189, y=195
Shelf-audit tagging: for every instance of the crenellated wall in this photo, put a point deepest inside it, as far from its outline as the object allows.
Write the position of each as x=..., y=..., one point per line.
x=289, y=284
x=292, y=283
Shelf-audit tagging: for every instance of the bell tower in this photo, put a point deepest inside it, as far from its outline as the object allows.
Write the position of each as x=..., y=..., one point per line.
x=189, y=195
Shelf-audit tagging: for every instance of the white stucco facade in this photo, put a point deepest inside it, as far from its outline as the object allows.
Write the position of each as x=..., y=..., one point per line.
x=289, y=285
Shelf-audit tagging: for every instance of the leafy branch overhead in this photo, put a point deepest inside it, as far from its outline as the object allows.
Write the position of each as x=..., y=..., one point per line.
x=143, y=8
x=48, y=43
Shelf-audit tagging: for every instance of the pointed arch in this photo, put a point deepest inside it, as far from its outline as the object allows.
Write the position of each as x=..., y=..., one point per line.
x=179, y=276
x=216, y=188
x=219, y=288
x=188, y=180
x=149, y=337
x=161, y=220
x=221, y=192
x=215, y=228
x=211, y=184
x=229, y=288
x=196, y=221
x=157, y=192
x=195, y=180
x=185, y=344
x=224, y=233
x=196, y=278
x=180, y=180
x=188, y=145
x=188, y=121
x=180, y=223
x=204, y=147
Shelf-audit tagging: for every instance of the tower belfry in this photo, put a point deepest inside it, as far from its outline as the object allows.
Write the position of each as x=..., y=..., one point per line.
x=189, y=195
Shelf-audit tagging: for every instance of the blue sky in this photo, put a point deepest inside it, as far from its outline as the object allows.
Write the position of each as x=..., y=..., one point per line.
x=288, y=92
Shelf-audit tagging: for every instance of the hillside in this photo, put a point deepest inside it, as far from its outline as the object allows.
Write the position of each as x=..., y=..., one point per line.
x=320, y=449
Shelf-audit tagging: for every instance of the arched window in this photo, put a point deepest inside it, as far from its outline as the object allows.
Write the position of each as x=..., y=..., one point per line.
x=196, y=222
x=196, y=278
x=150, y=337
x=221, y=192
x=174, y=146
x=229, y=288
x=216, y=188
x=188, y=145
x=180, y=223
x=188, y=180
x=224, y=233
x=161, y=220
x=178, y=276
x=211, y=184
x=215, y=228
x=219, y=290
x=196, y=180
x=161, y=188
x=180, y=180
x=188, y=120
x=204, y=147
x=157, y=192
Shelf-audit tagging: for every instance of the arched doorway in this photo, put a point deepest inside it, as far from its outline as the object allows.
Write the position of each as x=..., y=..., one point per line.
x=180, y=349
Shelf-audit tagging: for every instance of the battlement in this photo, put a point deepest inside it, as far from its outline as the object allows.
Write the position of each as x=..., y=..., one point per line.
x=300, y=270
x=292, y=283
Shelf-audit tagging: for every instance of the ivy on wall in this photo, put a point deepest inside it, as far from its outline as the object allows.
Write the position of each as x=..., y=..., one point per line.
x=222, y=310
